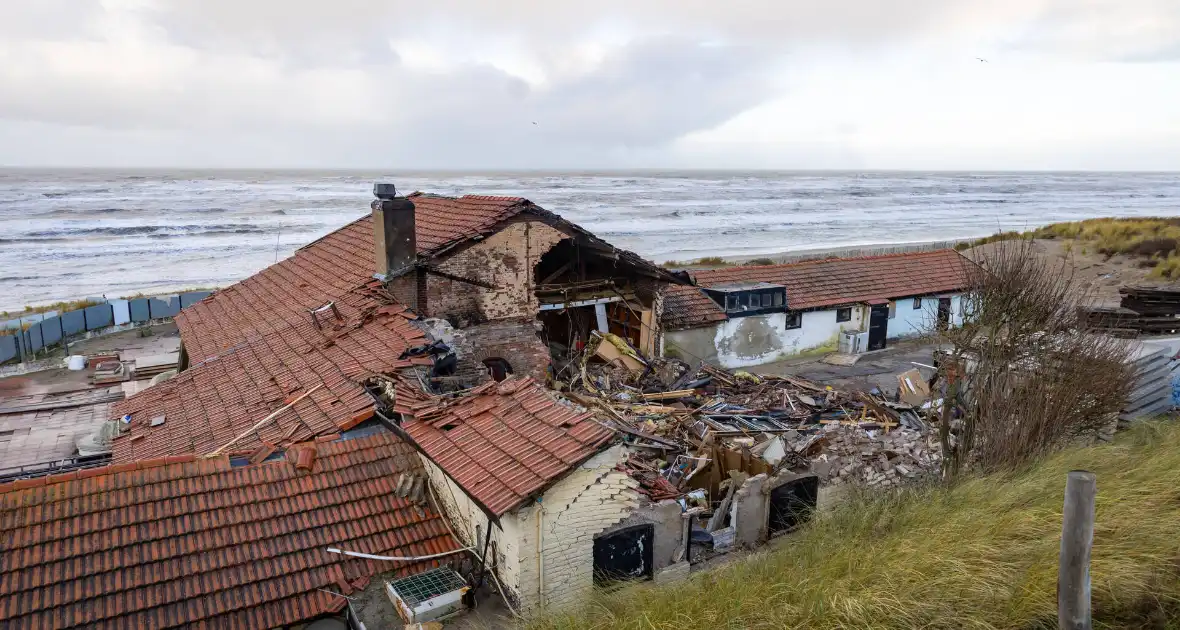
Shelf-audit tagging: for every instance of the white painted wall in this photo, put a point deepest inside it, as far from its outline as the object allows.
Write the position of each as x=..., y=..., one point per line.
x=588, y=500
x=908, y=321
x=467, y=519
x=747, y=341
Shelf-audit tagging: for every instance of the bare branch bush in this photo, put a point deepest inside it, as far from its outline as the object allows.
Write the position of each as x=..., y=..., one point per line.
x=1026, y=372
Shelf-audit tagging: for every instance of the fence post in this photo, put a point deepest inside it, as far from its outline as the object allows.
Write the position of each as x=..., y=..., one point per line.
x=1077, y=536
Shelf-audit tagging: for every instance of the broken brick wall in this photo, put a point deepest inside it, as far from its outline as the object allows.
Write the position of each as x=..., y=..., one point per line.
x=515, y=340
x=505, y=260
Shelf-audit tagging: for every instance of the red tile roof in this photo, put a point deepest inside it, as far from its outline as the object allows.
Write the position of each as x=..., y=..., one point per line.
x=211, y=403
x=503, y=442
x=184, y=543
x=828, y=282
x=328, y=269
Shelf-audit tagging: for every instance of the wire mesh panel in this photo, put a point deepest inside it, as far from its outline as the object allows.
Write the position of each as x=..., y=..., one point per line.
x=427, y=585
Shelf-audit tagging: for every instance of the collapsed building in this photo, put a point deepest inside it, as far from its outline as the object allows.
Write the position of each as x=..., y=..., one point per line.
x=452, y=392
x=749, y=315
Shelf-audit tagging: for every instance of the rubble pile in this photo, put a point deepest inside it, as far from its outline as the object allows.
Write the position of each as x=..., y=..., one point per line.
x=679, y=418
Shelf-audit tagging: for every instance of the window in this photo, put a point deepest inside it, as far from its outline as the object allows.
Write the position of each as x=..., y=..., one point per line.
x=892, y=310
x=844, y=314
x=767, y=300
x=731, y=303
x=794, y=320
x=778, y=299
x=498, y=368
x=917, y=303
x=755, y=300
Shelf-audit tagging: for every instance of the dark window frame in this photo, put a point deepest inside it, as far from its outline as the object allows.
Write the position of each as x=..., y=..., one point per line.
x=917, y=304
x=794, y=320
x=844, y=314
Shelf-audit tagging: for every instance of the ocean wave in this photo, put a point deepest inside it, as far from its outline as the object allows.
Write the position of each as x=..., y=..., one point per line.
x=149, y=230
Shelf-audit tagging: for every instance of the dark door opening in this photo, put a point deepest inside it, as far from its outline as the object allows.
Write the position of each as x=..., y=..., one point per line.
x=498, y=368
x=878, y=326
x=624, y=555
x=792, y=504
x=944, y=313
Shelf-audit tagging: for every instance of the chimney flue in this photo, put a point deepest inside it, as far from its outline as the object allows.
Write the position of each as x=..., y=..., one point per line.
x=393, y=231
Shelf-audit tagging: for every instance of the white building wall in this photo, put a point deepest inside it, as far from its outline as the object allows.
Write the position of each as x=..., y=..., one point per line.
x=908, y=321
x=562, y=526
x=757, y=339
x=468, y=520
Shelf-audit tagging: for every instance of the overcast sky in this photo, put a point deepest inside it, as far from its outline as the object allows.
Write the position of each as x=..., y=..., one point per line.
x=461, y=84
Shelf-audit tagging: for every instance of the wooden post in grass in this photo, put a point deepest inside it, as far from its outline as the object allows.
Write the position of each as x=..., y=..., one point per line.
x=1073, y=568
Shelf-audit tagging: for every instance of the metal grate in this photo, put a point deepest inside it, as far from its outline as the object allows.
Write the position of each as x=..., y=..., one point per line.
x=418, y=588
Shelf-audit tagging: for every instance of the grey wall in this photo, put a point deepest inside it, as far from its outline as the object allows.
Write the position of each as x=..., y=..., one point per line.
x=8, y=351
x=139, y=310
x=160, y=308
x=73, y=323
x=669, y=537
x=99, y=316
x=51, y=330
x=692, y=345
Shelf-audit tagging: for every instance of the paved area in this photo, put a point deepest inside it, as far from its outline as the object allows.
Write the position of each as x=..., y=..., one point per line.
x=874, y=369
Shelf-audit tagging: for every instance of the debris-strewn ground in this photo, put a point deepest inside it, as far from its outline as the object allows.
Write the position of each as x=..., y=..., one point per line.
x=982, y=554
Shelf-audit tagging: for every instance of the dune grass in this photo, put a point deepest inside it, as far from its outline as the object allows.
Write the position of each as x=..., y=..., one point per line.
x=60, y=307
x=707, y=261
x=980, y=555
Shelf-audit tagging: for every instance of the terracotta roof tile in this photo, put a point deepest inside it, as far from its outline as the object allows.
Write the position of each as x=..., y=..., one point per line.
x=824, y=283
x=196, y=543
x=503, y=442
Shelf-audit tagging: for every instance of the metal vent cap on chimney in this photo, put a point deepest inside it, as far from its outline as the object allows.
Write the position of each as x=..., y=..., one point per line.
x=383, y=190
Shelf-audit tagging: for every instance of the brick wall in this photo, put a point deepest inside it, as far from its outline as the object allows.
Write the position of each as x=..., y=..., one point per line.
x=515, y=340
x=586, y=502
x=505, y=259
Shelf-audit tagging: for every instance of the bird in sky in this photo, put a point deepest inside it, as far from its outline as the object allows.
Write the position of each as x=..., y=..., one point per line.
x=534, y=122
x=981, y=60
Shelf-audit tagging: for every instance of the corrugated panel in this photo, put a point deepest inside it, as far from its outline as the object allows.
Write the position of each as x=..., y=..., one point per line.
x=8, y=351
x=139, y=310
x=99, y=316
x=159, y=308
x=73, y=322
x=188, y=299
x=51, y=330
x=122, y=310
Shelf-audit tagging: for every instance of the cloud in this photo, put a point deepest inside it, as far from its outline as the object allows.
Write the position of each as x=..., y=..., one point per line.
x=460, y=83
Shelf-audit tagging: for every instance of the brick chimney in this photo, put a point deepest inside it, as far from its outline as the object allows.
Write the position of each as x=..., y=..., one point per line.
x=393, y=231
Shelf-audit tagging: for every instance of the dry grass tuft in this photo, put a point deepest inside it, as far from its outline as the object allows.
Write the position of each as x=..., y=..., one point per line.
x=981, y=554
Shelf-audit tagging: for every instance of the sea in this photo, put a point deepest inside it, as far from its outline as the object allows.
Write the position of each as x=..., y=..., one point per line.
x=69, y=234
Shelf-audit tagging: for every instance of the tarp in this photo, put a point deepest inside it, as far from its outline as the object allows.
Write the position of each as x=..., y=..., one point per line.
x=99, y=316
x=122, y=311
x=51, y=330
x=139, y=310
x=159, y=308
x=73, y=322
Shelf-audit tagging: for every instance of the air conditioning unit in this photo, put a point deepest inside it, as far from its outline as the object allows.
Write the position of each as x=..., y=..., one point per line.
x=853, y=342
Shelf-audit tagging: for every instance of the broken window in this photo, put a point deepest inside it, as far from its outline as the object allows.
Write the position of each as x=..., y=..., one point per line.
x=844, y=314
x=732, y=303
x=917, y=303
x=794, y=320
x=778, y=299
x=624, y=555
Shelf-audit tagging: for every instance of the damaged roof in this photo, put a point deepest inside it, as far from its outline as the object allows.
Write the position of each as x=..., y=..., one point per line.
x=215, y=401
x=195, y=543
x=824, y=283
x=503, y=442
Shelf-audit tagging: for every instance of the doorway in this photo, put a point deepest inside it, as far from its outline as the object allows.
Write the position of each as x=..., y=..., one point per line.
x=878, y=326
x=792, y=504
x=624, y=555
x=944, y=313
